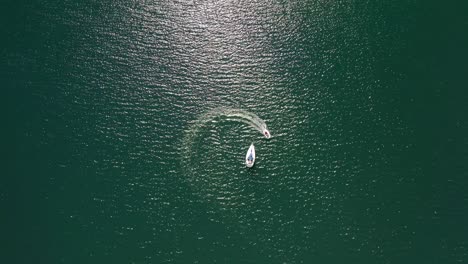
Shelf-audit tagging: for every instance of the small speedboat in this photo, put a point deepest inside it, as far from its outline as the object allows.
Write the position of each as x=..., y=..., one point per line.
x=250, y=156
x=266, y=133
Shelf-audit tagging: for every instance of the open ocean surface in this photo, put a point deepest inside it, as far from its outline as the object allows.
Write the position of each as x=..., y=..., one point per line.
x=118, y=148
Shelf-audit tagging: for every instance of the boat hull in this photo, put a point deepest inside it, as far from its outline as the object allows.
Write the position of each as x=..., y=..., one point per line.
x=250, y=156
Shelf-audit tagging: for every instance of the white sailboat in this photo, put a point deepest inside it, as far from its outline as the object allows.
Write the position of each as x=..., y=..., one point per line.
x=250, y=156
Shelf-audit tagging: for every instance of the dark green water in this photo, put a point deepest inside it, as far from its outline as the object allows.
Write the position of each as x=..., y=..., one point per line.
x=114, y=154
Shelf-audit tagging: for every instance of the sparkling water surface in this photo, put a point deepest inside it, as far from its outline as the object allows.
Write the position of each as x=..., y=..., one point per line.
x=122, y=153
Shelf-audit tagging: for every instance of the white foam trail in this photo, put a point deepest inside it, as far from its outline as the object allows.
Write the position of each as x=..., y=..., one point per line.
x=240, y=115
x=234, y=114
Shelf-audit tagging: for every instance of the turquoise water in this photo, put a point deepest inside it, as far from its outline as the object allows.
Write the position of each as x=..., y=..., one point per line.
x=128, y=125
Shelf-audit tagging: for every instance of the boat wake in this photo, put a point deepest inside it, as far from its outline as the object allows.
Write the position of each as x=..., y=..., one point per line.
x=230, y=114
x=201, y=161
x=237, y=115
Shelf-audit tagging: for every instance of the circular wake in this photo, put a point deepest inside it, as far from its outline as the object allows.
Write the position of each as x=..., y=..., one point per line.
x=206, y=155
